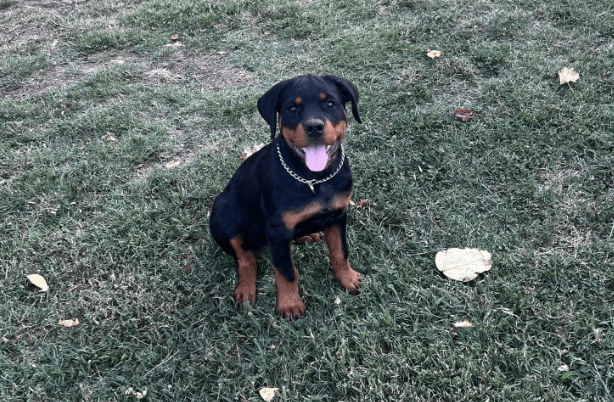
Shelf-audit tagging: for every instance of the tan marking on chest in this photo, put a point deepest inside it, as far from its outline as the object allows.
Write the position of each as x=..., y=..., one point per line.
x=293, y=218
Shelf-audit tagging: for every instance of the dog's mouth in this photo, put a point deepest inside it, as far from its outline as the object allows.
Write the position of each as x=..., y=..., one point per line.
x=317, y=156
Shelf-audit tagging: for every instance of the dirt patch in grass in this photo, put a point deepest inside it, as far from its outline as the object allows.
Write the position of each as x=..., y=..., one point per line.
x=24, y=24
x=53, y=78
x=211, y=71
x=180, y=158
x=61, y=76
x=104, y=60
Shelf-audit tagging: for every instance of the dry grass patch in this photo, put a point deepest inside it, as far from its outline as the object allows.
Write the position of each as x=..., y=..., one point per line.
x=569, y=199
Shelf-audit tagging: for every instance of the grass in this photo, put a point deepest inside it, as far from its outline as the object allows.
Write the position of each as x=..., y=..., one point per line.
x=94, y=105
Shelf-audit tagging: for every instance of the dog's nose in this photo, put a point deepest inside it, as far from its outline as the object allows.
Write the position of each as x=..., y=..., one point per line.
x=314, y=128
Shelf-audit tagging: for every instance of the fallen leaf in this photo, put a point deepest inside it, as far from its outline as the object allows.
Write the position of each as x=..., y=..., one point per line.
x=172, y=164
x=174, y=44
x=463, y=264
x=38, y=281
x=249, y=151
x=362, y=203
x=5, y=340
x=174, y=37
x=454, y=334
x=464, y=115
x=568, y=75
x=69, y=323
x=268, y=393
x=563, y=368
x=337, y=300
x=463, y=324
x=434, y=53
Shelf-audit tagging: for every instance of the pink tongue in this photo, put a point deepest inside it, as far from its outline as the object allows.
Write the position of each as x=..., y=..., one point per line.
x=316, y=157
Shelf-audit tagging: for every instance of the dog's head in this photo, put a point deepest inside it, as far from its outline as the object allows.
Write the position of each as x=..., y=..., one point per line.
x=312, y=117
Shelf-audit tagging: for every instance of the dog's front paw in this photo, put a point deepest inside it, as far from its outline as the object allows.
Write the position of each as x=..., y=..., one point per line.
x=291, y=309
x=349, y=279
x=244, y=293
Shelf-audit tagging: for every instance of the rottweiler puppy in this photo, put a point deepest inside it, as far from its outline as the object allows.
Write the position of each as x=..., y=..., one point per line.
x=295, y=187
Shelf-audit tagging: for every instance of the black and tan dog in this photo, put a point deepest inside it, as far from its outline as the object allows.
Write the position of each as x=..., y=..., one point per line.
x=298, y=185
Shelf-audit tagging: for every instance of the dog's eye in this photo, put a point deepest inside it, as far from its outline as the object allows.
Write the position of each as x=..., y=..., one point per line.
x=292, y=109
x=330, y=104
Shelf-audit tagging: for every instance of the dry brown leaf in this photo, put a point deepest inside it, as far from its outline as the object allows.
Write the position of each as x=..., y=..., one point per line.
x=464, y=115
x=463, y=264
x=69, y=323
x=434, y=53
x=38, y=281
x=568, y=75
x=362, y=203
x=174, y=37
x=249, y=151
x=268, y=393
x=463, y=324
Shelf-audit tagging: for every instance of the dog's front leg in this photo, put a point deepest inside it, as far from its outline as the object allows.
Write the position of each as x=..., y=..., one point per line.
x=289, y=303
x=338, y=253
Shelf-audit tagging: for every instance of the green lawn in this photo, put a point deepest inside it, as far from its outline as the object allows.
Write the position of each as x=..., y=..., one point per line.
x=114, y=141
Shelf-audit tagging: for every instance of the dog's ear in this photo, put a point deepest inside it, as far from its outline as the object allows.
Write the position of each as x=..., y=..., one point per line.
x=269, y=104
x=348, y=91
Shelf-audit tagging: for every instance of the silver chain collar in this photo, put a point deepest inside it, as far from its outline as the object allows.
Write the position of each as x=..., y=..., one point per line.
x=312, y=182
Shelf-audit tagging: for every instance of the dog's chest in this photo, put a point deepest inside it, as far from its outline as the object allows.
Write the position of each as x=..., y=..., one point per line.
x=292, y=218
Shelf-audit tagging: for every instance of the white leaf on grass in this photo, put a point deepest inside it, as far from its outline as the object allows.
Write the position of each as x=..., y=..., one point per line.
x=463, y=264
x=434, y=53
x=38, y=281
x=268, y=393
x=563, y=368
x=69, y=323
x=172, y=164
x=568, y=75
x=463, y=324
